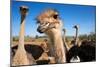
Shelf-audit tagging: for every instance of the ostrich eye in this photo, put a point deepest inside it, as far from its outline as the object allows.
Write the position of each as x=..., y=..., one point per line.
x=55, y=16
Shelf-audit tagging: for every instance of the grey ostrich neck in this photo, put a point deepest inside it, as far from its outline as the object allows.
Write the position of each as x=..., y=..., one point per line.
x=76, y=36
x=64, y=40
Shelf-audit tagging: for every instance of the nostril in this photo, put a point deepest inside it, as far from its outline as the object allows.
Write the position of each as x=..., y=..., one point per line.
x=39, y=30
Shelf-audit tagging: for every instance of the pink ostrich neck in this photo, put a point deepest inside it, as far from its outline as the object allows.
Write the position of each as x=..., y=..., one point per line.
x=57, y=47
x=21, y=35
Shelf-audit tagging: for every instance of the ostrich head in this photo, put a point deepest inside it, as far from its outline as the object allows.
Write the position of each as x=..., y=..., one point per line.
x=64, y=30
x=76, y=27
x=48, y=21
x=23, y=10
x=76, y=37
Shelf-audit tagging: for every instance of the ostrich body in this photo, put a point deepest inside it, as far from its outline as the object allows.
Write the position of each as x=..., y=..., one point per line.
x=20, y=57
x=50, y=24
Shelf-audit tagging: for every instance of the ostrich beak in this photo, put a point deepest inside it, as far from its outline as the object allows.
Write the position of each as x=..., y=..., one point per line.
x=39, y=30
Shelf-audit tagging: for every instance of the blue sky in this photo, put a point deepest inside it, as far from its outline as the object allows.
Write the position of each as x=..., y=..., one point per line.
x=70, y=14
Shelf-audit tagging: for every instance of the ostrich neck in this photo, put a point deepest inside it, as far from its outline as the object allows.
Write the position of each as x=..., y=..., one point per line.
x=64, y=41
x=57, y=47
x=76, y=33
x=56, y=38
x=21, y=33
x=76, y=38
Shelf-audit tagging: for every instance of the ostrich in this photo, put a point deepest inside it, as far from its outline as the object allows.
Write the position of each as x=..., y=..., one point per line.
x=20, y=57
x=76, y=38
x=72, y=55
x=50, y=24
x=24, y=53
x=82, y=53
x=64, y=40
